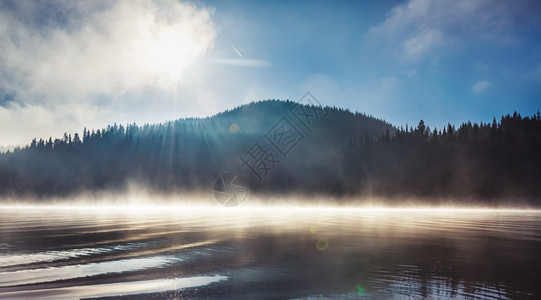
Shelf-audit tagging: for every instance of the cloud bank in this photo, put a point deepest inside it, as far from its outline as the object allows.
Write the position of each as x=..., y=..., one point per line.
x=420, y=28
x=62, y=61
x=115, y=47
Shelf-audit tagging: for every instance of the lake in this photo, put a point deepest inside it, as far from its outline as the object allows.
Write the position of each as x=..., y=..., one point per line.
x=268, y=253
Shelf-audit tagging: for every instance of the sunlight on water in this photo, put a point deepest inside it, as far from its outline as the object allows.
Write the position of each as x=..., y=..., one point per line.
x=269, y=252
x=50, y=256
x=117, y=289
x=75, y=271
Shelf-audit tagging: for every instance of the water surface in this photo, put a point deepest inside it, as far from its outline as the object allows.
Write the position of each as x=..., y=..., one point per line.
x=268, y=253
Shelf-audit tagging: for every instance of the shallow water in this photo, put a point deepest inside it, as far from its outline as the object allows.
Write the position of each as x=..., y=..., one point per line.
x=268, y=253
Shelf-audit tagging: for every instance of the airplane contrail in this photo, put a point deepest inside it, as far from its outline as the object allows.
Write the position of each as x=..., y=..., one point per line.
x=243, y=62
x=236, y=50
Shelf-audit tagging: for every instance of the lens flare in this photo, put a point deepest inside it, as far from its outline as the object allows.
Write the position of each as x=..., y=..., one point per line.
x=234, y=128
x=322, y=244
x=360, y=290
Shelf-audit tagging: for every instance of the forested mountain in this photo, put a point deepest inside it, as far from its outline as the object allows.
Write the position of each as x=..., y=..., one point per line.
x=281, y=147
x=188, y=154
x=498, y=161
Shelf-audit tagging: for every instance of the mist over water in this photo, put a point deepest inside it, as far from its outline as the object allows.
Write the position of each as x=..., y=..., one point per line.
x=268, y=252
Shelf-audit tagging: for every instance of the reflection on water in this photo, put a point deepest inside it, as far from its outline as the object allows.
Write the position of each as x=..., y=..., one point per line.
x=116, y=289
x=49, y=256
x=81, y=270
x=269, y=253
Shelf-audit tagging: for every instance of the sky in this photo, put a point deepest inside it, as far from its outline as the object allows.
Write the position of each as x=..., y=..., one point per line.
x=68, y=64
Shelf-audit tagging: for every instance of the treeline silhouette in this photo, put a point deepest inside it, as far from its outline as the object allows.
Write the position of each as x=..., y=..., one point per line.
x=178, y=156
x=341, y=154
x=499, y=161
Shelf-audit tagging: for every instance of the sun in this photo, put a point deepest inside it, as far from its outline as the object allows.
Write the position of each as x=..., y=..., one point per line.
x=168, y=52
x=167, y=45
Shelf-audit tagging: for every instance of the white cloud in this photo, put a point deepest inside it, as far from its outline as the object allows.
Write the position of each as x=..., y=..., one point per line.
x=19, y=124
x=73, y=64
x=123, y=46
x=423, y=27
x=416, y=46
x=480, y=86
x=243, y=62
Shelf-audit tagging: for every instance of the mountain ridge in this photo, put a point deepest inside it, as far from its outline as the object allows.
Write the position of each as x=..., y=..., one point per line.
x=284, y=148
x=182, y=154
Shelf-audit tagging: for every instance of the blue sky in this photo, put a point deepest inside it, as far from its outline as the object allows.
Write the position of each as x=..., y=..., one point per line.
x=65, y=65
